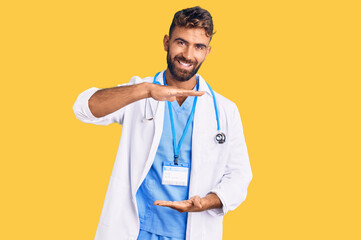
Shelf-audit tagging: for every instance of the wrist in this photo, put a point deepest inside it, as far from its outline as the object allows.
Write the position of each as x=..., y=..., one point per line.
x=205, y=202
x=145, y=89
x=211, y=201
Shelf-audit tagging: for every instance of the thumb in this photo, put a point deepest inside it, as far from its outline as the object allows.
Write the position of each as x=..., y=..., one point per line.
x=197, y=201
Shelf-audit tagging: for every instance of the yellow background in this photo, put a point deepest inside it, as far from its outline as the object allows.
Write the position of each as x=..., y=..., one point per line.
x=292, y=67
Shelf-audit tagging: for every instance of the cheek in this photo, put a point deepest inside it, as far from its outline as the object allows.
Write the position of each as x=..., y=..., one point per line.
x=175, y=50
x=173, y=54
x=200, y=58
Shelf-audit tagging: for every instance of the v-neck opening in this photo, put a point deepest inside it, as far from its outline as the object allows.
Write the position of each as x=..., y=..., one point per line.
x=187, y=104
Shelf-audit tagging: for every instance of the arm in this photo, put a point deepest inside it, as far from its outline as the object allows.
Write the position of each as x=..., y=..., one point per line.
x=106, y=101
x=105, y=106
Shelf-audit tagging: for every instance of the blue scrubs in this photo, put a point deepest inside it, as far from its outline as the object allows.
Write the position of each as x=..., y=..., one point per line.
x=163, y=223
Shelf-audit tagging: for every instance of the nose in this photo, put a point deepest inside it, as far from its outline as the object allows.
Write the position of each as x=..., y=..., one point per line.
x=188, y=53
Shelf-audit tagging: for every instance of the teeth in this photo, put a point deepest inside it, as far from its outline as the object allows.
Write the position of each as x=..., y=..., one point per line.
x=184, y=64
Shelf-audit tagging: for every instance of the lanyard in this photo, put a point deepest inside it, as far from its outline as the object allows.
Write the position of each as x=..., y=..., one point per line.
x=176, y=147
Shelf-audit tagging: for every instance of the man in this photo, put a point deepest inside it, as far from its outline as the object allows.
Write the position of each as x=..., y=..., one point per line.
x=171, y=179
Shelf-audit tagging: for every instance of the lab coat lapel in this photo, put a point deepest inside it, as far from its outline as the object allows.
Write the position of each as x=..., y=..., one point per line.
x=201, y=122
x=157, y=124
x=157, y=112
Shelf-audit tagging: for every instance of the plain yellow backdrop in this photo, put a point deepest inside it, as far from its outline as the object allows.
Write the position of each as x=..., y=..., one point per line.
x=292, y=68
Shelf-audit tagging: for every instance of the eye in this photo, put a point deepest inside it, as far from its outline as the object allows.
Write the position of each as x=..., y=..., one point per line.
x=200, y=47
x=180, y=42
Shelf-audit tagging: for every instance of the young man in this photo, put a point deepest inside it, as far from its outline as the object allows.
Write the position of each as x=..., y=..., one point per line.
x=182, y=161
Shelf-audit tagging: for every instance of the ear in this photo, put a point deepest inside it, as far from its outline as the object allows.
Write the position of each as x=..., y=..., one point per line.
x=166, y=42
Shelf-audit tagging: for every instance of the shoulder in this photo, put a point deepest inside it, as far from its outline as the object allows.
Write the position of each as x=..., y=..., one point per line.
x=227, y=108
x=137, y=79
x=223, y=101
x=224, y=104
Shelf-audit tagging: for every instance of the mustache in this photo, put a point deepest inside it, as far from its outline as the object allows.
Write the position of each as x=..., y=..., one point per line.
x=184, y=60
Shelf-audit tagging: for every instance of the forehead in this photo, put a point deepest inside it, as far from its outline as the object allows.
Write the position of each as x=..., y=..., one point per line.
x=191, y=35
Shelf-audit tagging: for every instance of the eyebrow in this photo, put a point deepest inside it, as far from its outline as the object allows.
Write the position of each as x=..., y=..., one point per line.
x=181, y=39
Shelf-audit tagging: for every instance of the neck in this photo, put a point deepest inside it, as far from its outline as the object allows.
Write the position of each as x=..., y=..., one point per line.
x=171, y=81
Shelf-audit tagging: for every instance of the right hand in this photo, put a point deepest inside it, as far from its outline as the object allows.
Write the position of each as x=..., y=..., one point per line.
x=168, y=93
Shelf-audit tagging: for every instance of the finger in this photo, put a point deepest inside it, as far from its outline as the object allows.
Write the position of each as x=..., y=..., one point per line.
x=169, y=204
x=179, y=207
x=186, y=93
x=163, y=203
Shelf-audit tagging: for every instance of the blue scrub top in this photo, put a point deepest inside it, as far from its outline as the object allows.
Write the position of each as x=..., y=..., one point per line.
x=162, y=222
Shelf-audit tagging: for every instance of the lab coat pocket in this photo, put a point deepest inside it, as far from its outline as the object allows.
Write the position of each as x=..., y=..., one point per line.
x=212, y=226
x=212, y=151
x=212, y=159
x=116, y=194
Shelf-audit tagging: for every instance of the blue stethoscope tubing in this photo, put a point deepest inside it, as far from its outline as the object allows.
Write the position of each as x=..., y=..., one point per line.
x=220, y=137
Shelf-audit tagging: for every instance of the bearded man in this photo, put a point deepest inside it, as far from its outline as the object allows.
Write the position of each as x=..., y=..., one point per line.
x=182, y=161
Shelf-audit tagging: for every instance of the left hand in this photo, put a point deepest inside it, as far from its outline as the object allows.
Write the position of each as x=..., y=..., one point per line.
x=194, y=204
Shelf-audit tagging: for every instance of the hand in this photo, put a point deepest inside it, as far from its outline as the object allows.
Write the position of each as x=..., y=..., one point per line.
x=168, y=93
x=194, y=204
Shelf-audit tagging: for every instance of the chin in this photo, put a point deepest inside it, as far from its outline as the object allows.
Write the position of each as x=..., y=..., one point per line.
x=182, y=75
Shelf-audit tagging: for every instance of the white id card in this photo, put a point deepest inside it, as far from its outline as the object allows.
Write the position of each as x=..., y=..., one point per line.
x=175, y=174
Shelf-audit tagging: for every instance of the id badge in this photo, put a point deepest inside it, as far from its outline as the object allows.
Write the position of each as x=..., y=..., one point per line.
x=175, y=174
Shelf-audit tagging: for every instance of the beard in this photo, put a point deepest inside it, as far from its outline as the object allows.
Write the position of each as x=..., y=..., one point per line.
x=182, y=75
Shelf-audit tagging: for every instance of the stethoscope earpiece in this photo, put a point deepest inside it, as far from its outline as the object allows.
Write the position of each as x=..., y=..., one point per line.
x=220, y=137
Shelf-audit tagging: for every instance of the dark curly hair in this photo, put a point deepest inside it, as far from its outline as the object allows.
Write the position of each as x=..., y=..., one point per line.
x=195, y=17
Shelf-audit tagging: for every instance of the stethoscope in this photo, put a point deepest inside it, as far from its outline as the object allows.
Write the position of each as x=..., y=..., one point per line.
x=220, y=136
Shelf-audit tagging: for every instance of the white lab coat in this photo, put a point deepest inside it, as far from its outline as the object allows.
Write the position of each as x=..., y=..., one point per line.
x=223, y=169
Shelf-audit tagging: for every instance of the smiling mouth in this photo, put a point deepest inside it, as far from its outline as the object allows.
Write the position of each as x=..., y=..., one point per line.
x=184, y=64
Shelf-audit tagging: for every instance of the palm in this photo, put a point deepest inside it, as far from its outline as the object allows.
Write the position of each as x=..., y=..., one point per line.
x=191, y=205
x=182, y=206
x=167, y=93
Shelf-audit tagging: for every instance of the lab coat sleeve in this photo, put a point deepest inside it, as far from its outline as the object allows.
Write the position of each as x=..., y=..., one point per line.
x=83, y=113
x=232, y=189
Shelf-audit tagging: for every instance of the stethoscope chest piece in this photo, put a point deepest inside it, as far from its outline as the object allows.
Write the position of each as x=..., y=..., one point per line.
x=220, y=137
